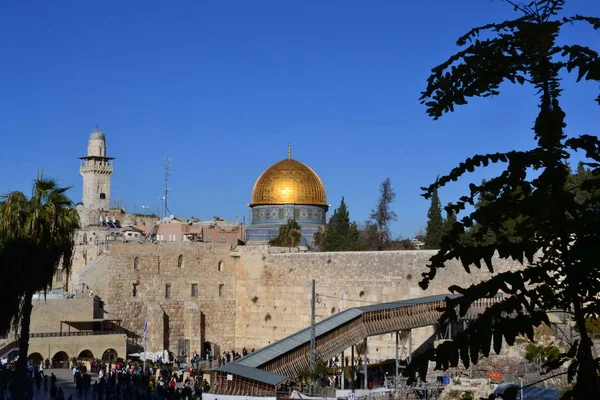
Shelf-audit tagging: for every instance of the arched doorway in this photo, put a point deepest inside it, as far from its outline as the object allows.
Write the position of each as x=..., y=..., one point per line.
x=110, y=355
x=35, y=359
x=85, y=355
x=85, y=359
x=60, y=360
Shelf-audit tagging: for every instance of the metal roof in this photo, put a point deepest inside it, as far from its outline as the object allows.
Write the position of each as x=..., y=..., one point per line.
x=253, y=373
x=285, y=345
x=404, y=303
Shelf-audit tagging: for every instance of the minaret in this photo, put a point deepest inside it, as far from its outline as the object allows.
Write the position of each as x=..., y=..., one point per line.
x=96, y=170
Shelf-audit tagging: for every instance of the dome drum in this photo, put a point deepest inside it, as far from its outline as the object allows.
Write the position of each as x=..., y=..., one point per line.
x=264, y=234
x=279, y=214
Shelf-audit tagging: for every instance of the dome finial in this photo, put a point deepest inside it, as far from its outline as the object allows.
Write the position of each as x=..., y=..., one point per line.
x=289, y=151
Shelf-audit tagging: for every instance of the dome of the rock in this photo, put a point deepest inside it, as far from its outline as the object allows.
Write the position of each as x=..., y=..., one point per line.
x=289, y=182
x=287, y=190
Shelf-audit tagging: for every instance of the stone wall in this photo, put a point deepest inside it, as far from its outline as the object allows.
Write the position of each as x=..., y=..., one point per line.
x=265, y=293
x=274, y=290
x=49, y=347
x=208, y=265
x=47, y=313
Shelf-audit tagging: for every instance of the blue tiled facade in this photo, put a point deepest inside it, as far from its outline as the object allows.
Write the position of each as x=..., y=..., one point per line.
x=265, y=221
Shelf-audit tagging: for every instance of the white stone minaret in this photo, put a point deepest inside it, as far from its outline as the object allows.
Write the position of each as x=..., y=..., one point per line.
x=96, y=170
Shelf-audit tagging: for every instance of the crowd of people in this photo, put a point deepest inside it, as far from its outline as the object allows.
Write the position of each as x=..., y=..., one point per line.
x=229, y=356
x=121, y=380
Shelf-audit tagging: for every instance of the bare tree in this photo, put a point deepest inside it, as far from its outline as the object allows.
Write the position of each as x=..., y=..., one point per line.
x=382, y=214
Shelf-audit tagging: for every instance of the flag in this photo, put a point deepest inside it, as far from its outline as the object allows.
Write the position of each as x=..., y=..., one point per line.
x=145, y=329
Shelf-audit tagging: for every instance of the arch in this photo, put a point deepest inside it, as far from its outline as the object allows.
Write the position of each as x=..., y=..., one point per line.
x=110, y=355
x=180, y=261
x=102, y=196
x=35, y=359
x=220, y=266
x=85, y=355
x=60, y=360
x=136, y=263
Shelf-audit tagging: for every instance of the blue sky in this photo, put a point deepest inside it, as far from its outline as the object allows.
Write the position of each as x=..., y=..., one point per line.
x=221, y=87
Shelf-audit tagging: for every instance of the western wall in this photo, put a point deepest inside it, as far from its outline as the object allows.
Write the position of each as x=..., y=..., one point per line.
x=250, y=296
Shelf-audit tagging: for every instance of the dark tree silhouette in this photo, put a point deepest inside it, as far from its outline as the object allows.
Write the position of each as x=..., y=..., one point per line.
x=450, y=219
x=435, y=223
x=36, y=238
x=554, y=234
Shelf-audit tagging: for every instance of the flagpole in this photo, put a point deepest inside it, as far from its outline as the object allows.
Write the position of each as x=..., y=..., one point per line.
x=144, y=343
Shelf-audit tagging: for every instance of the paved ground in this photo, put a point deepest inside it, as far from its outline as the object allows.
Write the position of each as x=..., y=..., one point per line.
x=64, y=379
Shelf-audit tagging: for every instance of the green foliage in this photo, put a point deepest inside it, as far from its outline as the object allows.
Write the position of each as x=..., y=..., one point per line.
x=578, y=184
x=593, y=326
x=541, y=353
x=339, y=234
x=367, y=236
x=319, y=375
x=450, y=219
x=435, y=223
x=289, y=235
x=530, y=215
x=382, y=215
x=401, y=244
x=466, y=395
x=36, y=238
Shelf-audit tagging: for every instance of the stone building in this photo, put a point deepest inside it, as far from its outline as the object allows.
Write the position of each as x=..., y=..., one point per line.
x=96, y=169
x=172, y=229
x=210, y=295
x=287, y=190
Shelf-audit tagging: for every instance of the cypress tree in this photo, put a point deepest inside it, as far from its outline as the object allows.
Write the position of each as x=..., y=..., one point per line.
x=450, y=219
x=435, y=223
x=340, y=234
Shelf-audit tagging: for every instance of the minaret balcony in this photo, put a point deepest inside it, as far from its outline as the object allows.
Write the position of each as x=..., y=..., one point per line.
x=96, y=168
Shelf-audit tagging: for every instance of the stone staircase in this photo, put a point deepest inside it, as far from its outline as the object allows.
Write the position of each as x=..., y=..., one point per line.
x=91, y=265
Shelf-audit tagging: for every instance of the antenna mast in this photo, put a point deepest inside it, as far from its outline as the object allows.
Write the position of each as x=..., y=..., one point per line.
x=167, y=169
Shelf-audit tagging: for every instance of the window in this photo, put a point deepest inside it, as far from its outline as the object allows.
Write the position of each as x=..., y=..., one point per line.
x=168, y=291
x=220, y=266
x=134, y=291
x=180, y=261
x=221, y=290
x=194, y=290
x=222, y=236
x=59, y=275
x=136, y=263
x=102, y=196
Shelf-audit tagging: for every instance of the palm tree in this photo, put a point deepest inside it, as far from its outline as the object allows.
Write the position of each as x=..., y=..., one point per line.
x=289, y=235
x=36, y=238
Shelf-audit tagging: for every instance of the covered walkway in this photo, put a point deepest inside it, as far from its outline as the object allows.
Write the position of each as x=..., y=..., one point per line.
x=290, y=356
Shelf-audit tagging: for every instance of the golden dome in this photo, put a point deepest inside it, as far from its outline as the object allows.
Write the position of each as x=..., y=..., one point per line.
x=289, y=182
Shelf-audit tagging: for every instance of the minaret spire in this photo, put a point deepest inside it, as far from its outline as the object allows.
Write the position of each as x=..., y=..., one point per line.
x=289, y=151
